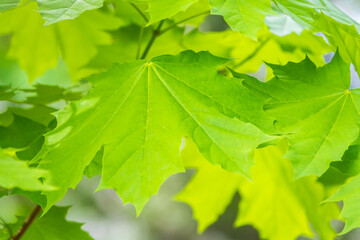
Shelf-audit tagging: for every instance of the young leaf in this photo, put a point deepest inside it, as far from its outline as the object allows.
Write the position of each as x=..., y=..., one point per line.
x=303, y=11
x=316, y=109
x=139, y=111
x=345, y=37
x=75, y=40
x=8, y=4
x=57, y=10
x=20, y=133
x=275, y=195
x=156, y=8
x=244, y=16
x=16, y=173
x=341, y=30
x=211, y=190
x=268, y=48
x=350, y=161
x=349, y=194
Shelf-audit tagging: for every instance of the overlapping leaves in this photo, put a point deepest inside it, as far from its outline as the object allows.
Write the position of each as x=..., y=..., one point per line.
x=243, y=16
x=74, y=40
x=315, y=109
x=139, y=111
x=211, y=190
x=130, y=125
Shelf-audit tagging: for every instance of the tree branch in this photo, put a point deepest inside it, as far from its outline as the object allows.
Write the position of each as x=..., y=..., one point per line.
x=155, y=34
x=27, y=223
x=140, y=12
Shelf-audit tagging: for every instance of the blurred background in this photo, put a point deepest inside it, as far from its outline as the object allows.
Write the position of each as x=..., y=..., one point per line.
x=106, y=218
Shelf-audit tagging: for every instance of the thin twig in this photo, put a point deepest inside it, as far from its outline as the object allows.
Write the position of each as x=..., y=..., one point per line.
x=141, y=34
x=181, y=21
x=155, y=34
x=253, y=54
x=140, y=12
x=27, y=223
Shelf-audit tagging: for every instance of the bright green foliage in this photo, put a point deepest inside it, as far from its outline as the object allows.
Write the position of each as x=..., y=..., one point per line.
x=282, y=25
x=169, y=43
x=57, y=10
x=24, y=45
x=243, y=16
x=296, y=203
x=8, y=4
x=345, y=37
x=75, y=40
x=54, y=226
x=317, y=109
x=210, y=190
x=349, y=194
x=131, y=122
x=341, y=30
x=274, y=195
x=200, y=9
x=159, y=102
x=303, y=11
x=162, y=9
x=350, y=162
x=16, y=173
x=268, y=48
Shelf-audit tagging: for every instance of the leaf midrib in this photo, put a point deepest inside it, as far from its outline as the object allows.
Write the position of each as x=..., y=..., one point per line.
x=187, y=111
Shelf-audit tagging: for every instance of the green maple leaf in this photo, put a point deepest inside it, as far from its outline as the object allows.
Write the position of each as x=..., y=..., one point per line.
x=345, y=37
x=350, y=162
x=323, y=16
x=8, y=4
x=26, y=115
x=16, y=173
x=349, y=194
x=210, y=191
x=57, y=10
x=139, y=111
x=156, y=8
x=244, y=16
x=268, y=47
x=20, y=133
x=38, y=48
x=315, y=109
x=297, y=203
x=53, y=225
x=200, y=9
x=303, y=11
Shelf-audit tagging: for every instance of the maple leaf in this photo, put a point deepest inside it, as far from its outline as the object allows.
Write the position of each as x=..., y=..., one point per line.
x=315, y=110
x=139, y=111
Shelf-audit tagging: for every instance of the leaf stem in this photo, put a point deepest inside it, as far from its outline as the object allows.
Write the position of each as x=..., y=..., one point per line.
x=155, y=34
x=140, y=12
x=253, y=54
x=27, y=223
x=181, y=21
x=141, y=34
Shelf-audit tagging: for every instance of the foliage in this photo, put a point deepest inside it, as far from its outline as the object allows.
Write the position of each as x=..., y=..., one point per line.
x=137, y=90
